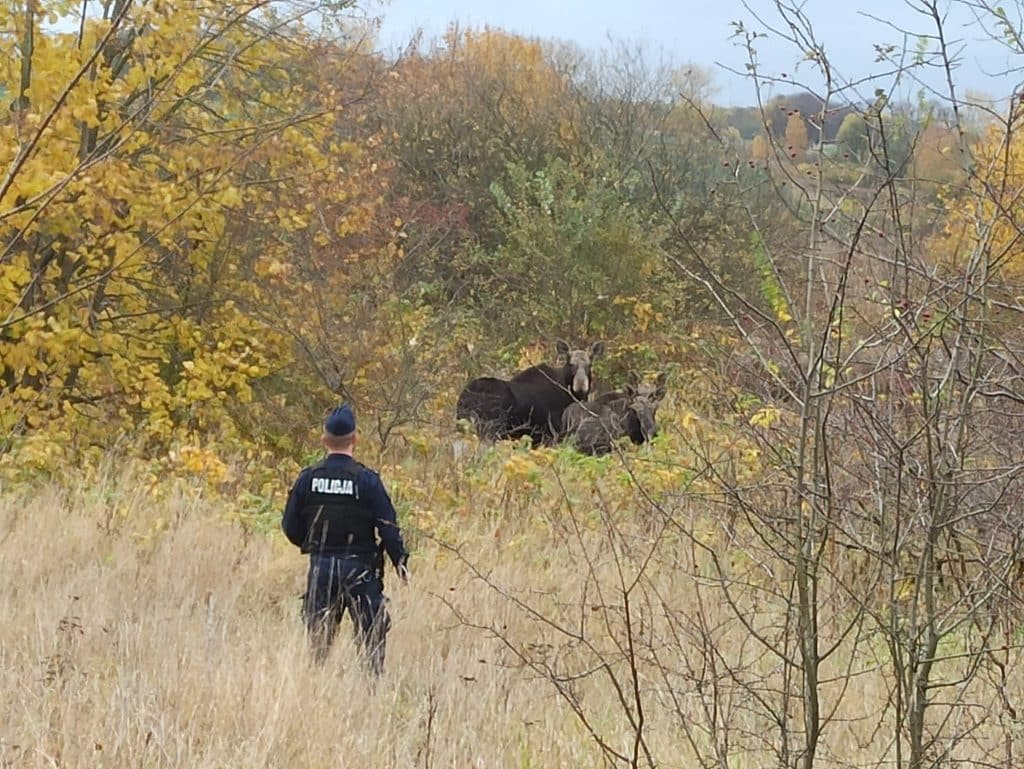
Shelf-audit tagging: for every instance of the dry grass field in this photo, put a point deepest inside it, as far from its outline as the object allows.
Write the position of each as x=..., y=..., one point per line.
x=140, y=636
x=157, y=634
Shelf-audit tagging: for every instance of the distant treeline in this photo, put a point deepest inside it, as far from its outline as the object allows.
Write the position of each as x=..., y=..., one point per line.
x=777, y=111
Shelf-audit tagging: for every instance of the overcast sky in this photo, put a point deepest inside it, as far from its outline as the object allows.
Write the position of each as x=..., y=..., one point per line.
x=699, y=31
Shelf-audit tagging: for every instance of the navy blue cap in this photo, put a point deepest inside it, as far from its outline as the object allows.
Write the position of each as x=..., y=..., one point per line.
x=341, y=421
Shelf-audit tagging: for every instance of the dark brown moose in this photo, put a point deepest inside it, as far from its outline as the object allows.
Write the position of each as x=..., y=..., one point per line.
x=530, y=403
x=593, y=427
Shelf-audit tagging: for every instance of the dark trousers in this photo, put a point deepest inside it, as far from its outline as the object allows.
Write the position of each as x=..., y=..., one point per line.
x=337, y=584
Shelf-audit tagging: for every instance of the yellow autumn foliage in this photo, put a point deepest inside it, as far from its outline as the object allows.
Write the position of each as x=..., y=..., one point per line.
x=161, y=176
x=982, y=222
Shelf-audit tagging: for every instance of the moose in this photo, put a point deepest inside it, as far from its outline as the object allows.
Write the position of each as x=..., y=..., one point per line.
x=594, y=426
x=531, y=402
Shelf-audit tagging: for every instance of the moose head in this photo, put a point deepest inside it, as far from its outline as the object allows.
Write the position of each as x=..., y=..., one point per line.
x=579, y=363
x=643, y=400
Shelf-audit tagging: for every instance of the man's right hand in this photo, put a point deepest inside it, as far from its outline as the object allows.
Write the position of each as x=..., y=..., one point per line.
x=403, y=572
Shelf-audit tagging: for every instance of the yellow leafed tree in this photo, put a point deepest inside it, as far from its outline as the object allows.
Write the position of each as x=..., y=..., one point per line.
x=796, y=135
x=983, y=223
x=162, y=170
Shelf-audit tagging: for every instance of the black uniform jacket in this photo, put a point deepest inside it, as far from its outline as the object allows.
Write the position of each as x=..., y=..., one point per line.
x=340, y=507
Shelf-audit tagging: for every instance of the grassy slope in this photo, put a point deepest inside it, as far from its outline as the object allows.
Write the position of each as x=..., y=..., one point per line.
x=156, y=633
x=187, y=651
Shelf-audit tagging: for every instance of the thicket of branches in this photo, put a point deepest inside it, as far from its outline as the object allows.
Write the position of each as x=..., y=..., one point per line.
x=868, y=527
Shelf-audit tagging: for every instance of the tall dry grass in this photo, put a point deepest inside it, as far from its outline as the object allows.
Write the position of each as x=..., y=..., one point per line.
x=156, y=633
x=136, y=635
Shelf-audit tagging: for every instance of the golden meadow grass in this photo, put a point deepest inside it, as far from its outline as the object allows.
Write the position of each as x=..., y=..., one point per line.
x=160, y=633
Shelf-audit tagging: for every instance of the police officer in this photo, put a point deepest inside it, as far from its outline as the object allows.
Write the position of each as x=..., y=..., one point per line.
x=339, y=513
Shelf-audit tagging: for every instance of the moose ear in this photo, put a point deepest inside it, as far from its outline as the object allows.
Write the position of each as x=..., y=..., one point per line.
x=659, y=390
x=596, y=349
x=633, y=379
x=630, y=391
x=562, y=348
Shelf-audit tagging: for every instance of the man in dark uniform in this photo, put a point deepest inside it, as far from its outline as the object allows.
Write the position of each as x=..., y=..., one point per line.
x=339, y=513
